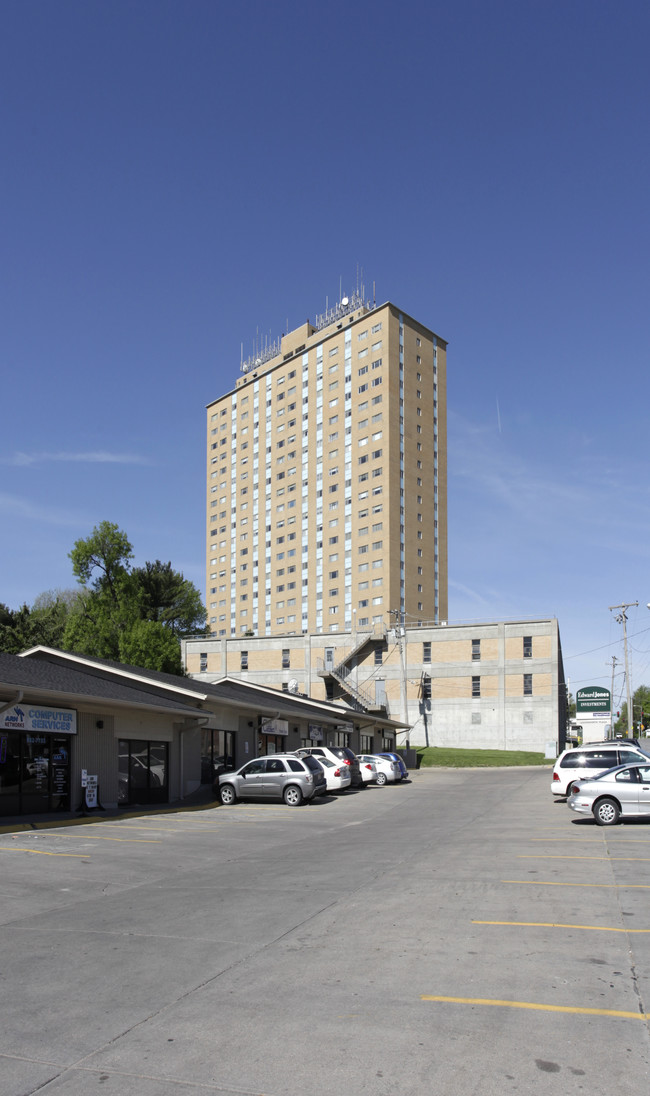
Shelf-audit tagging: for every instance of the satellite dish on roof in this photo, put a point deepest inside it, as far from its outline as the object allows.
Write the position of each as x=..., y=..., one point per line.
x=293, y=685
x=345, y=301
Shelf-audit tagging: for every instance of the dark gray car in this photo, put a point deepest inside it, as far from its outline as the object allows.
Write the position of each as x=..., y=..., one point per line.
x=277, y=776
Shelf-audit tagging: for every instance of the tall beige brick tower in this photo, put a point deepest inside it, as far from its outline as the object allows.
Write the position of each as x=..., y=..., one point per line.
x=327, y=479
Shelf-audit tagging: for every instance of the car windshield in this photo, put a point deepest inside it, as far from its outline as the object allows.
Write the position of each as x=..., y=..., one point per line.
x=608, y=772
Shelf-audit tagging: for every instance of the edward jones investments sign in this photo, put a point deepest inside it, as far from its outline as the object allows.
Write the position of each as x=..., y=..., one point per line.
x=594, y=699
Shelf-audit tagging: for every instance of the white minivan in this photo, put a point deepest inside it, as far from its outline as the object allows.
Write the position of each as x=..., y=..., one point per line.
x=585, y=762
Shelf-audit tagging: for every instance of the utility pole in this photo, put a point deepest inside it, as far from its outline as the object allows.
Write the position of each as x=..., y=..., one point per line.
x=621, y=618
x=611, y=699
x=400, y=632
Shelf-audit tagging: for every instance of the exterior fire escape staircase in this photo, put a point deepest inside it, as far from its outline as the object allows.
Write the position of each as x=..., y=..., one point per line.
x=361, y=699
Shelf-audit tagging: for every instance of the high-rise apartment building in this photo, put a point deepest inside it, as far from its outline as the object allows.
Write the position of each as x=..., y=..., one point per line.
x=327, y=479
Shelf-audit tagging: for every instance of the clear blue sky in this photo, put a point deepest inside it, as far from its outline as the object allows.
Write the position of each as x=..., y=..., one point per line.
x=179, y=175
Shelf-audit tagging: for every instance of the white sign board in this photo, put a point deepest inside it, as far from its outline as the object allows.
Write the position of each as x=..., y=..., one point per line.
x=91, y=791
x=274, y=726
x=25, y=718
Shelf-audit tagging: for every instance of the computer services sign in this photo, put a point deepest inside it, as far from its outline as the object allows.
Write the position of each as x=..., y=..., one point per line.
x=25, y=718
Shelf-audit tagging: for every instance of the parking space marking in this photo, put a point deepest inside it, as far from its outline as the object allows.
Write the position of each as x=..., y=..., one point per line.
x=537, y=1007
x=569, y=856
x=575, y=837
x=558, y=925
x=552, y=883
x=43, y=852
x=100, y=837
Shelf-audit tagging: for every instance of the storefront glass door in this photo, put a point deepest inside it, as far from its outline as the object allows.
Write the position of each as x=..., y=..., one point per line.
x=143, y=772
x=34, y=773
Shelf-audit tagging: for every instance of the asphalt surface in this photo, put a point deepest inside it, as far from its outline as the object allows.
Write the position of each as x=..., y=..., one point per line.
x=463, y=933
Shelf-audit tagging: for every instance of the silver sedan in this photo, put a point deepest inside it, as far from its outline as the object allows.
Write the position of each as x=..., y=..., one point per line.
x=619, y=793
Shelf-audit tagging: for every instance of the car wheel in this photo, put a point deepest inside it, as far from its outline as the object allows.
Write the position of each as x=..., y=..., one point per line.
x=227, y=795
x=381, y=778
x=292, y=796
x=607, y=812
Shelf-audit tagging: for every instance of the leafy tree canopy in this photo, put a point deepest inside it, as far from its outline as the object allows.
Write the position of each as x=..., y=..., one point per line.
x=102, y=559
x=149, y=643
x=640, y=712
x=117, y=600
x=44, y=623
x=169, y=598
x=126, y=614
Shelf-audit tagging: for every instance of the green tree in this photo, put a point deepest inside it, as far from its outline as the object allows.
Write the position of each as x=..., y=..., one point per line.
x=640, y=707
x=150, y=644
x=168, y=597
x=42, y=624
x=102, y=559
x=108, y=619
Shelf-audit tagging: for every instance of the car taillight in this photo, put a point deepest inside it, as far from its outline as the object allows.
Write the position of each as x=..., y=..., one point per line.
x=337, y=772
x=346, y=762
x=367, y=766
x=556, y=776
x=310, y=779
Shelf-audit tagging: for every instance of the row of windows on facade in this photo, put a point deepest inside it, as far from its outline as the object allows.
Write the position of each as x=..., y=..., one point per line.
x=374, y=382
x=425, y=686
x=379, y=657
x=292, y=454
x=527, y=642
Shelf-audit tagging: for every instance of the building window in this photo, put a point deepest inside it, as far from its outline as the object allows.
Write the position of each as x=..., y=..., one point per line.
x=243, y=663
x=528, y=684
x=426, y=652
x=286, y=659
x=528, y=646
x=476, y=686
x=476, y=650
x=379, y=656
x=203, y=660
x=426, y=687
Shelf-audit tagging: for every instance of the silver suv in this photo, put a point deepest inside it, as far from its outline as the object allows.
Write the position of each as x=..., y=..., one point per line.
x=277, y=776
x=586, y=762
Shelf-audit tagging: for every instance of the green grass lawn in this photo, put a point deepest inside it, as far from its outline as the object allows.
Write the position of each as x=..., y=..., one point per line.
x=440, y=757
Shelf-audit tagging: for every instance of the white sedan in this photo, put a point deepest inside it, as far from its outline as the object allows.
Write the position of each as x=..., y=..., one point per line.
x=387, y=770
x=368, y=771
x=620, y=793
x=338, y=777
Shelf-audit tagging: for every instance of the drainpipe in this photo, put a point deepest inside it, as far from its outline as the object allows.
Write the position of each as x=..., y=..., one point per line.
x=12, y=703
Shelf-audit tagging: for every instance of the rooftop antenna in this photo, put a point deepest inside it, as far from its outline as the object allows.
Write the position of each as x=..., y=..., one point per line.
x=373, y=293
x=340, y=286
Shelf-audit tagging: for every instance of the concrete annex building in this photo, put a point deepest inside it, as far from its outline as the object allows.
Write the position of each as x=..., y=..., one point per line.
x=327, y=543
x=477, y=686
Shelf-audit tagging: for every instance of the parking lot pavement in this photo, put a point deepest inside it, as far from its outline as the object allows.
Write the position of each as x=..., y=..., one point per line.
x=460, y=933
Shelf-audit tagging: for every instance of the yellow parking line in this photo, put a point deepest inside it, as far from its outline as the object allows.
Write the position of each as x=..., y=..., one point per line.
x=552, y=883
x=128, y=840
x=43, y=852
x=541, y=1008
x=576, y=837
x=558, y=925
x=555, y=856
